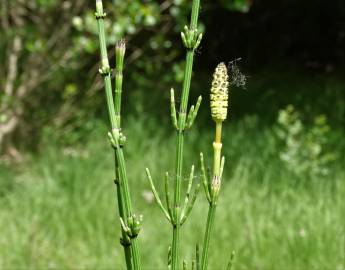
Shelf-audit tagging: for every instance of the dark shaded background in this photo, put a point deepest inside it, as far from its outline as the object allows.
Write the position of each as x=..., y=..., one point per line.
x=291, y=51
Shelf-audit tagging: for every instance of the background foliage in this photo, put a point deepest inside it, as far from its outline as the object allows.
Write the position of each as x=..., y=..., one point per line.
x=49, y=55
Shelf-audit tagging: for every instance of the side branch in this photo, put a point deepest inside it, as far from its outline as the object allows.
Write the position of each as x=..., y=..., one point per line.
x=205, y=182
x=173, y=108
x=155, y=194
x=191, y=205
x=193, y=113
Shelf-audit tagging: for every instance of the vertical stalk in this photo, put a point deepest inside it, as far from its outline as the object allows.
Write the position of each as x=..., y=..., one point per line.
x=215, y=185
x=180, y=140
x=195, y=14
x=177, y=202
x=124, y=241
x=125, y=208
x=120, y=53
x=219, y=107
x=105, y=63
x=209, y=228
x=217, y=147
x=128, y=206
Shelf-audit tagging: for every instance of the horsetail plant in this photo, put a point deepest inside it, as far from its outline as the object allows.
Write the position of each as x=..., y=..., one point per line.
x=130, y=223
x=219, y=108
x=175, y=212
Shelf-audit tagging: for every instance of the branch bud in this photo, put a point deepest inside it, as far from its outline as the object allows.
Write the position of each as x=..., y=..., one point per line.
x=134, y=224
x=122, y=139
x=120, y=50
x=191, y=38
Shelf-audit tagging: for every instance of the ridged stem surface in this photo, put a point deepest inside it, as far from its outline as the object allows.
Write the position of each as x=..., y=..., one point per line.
x=215, y=184
x=177, y=201
x=209, y=228
x=124, y=200
x=127, y=248
x=118, y=92
x=180, y=141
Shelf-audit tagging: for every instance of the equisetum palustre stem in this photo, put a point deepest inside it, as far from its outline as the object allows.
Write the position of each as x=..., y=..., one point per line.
x=175, y=211
x=219, y=106
x=130, y=223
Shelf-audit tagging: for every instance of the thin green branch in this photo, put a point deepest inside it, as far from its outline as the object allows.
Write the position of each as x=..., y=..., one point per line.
x=155, y=194
x=193, y=113
x=120, y=50
x=189, y=188
x=204, y=178
x=167, y=193
x=189, y=116
x=191, y=204
x=173, y=108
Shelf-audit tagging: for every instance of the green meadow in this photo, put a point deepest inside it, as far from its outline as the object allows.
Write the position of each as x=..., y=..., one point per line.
x=58, y=207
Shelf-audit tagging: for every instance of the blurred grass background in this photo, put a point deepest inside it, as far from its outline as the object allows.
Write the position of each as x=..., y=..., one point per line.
x=282, y=203
x=58, y=210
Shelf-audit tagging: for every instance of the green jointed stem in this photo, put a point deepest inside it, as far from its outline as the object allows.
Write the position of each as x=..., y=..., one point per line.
x=124, y=241
x=125, y=208
x=136, y=254
x=120, y=50
x=105, y=69
x=186, y=86
x=195, y=14
x=180, y=137
x=124, y=181
x=177, y=202
x=214, y=189
x=209, y=228
x=127, y=202
x=219, y=106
